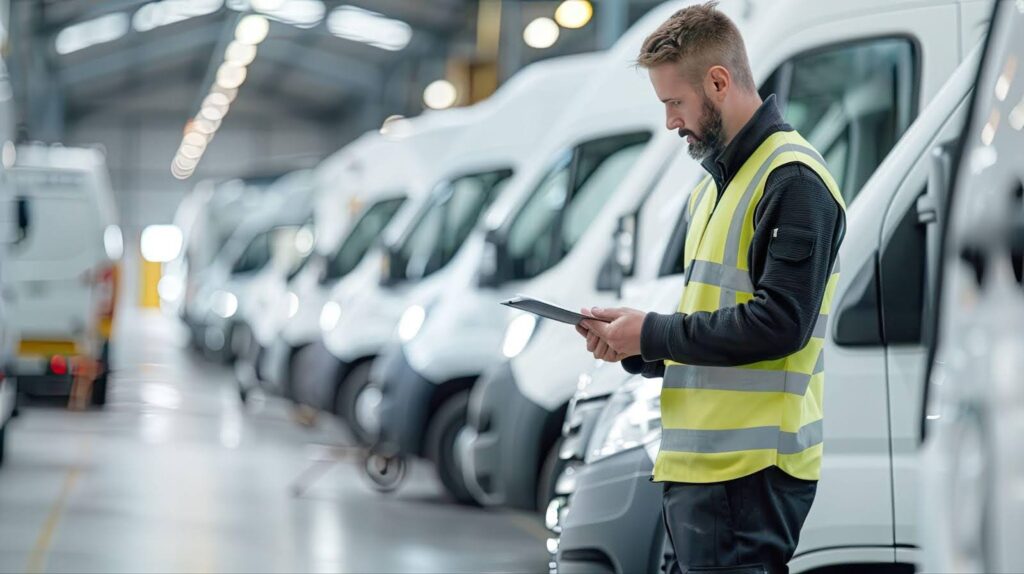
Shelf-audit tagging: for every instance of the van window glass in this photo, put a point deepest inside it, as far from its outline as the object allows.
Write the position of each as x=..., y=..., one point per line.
x=567, y=201
x=444, y=225
x=371, y=222
x=852, y=102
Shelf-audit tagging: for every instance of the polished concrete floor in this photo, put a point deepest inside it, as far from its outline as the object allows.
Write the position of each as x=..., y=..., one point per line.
x=174, y=475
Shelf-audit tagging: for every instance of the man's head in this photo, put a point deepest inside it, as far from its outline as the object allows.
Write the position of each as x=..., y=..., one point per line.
x=698, y=65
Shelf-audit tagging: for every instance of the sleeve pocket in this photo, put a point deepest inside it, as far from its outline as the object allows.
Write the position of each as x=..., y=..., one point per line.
x=791, y=244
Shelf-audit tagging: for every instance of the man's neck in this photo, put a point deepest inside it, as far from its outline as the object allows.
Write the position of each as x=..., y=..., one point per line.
x=743, y=110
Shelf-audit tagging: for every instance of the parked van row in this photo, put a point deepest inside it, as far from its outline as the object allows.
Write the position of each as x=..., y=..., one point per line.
x=374, y=295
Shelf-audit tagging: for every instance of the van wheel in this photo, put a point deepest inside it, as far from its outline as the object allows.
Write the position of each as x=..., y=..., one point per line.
x=550, y=471
x=442, y=432
x=350, y=401
x=98, y=398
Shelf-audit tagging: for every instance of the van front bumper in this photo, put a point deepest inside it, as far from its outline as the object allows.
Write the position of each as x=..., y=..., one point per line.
x=613, y=520
x=501, y=449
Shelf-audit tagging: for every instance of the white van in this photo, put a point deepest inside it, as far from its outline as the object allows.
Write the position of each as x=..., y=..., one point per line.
x=443, y=250
x=62, y=271
x=971, y=509
x=8, y=231
x=863, y=515
x=263, y=245
x=216, y=212
x=359, y=314
x=349, y=217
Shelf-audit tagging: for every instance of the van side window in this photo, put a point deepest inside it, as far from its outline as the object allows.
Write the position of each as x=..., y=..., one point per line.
x=568, y=200
x=255, y=256
x=852, y=102
x=360, y=238
x=453, y=212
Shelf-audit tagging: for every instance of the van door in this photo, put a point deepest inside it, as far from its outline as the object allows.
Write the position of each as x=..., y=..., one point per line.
x=908, y=259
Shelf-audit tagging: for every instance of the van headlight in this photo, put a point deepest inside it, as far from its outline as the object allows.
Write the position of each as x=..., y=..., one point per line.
x=518, y=334
x=631, y=419
x=411, y=322
x=330, y=314
x=225, y=304
x=293, y=304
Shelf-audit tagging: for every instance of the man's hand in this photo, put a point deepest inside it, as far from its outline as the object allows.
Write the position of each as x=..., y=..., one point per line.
x=616, y=340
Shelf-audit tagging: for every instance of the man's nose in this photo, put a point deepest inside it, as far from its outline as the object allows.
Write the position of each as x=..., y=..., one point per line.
x=673, y=121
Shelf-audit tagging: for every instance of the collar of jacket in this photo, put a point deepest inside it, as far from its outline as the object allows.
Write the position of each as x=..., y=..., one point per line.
x=765, y=121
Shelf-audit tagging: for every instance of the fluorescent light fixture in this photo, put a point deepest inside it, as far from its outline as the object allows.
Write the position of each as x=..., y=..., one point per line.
x=194, y=138
x=230, y=75
x=440, y=94
x=191, y=151
x=252, y=29
x=541, y=33
x=217, y=100
x=113, y=242
x=368, y=27
x=157, y=14
x=100, y=30
x=160, y=243
x=298, y=13
x=239, y=53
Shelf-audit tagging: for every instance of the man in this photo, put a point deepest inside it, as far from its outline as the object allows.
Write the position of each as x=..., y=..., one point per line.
x=742, y=358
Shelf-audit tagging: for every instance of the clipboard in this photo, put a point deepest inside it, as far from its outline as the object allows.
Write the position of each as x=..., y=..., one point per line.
x=547, y=310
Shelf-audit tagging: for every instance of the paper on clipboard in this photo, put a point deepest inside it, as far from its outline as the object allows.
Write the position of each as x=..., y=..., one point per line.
x=547, y=310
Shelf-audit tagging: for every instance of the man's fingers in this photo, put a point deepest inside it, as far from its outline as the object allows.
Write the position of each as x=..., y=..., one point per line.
x=606, y=314
x=601, y=350
x=582, y=331
x=598, y=327
x=592, y=342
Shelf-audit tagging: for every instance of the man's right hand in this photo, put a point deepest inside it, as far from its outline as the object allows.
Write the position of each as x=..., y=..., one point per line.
x=598, y=346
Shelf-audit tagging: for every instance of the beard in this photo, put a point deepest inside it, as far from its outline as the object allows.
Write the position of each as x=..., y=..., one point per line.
x=711, y=132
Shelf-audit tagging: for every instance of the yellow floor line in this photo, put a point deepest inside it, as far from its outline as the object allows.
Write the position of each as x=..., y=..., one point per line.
x=37, y=559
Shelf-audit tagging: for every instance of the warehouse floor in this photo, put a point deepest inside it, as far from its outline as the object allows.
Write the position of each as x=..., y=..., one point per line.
x=175, y=476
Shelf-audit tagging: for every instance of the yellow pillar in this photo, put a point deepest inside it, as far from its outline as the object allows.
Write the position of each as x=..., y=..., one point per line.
x=148, y=296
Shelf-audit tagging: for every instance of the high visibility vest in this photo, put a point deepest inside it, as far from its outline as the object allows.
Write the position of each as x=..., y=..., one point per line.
x=722, y=423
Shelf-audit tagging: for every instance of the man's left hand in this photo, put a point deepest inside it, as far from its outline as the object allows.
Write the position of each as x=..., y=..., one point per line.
x=622, y=333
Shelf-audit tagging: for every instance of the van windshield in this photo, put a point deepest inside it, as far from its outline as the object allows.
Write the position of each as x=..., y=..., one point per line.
x=371, y=222
x=568, y=199
x=49, y=200
x=445, y=223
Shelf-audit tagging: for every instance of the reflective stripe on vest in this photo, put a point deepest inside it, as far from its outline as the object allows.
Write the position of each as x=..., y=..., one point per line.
x=722, y=423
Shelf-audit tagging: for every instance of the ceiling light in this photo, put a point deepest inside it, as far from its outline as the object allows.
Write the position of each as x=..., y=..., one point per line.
x=216, y=100
x=230, y=76
x=194, y=138
x=205, y=126
x=229, y=93
x=369, y=27
x=574, y=13
x=185, y=163
x=239, y=53
x=160, y=243
x=541, y=33
x=191, y=151
x=100, y=30
x=252, y=29
x=440, y=94
x=298, y=13
x=179, y=173
x=264, y=5
x=156, y=14
x=211, y=113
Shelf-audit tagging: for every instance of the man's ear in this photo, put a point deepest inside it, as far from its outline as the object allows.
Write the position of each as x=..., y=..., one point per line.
x=717, y=83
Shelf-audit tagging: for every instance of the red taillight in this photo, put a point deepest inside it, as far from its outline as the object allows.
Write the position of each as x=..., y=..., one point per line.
x=58, y=365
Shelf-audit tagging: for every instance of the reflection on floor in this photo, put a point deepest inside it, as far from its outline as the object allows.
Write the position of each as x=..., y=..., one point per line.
x=175, y=476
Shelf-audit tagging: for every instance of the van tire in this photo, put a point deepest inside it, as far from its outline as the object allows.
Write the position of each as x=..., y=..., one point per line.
x=442, y=432
x=357, y=381
x=550, y=471
x=98, y=397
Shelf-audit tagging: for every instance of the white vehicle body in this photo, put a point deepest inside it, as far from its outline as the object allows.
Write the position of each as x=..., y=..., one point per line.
x=8, y=231
x=263, y=243
x=971, y=509
x=503, y=141
x=359, y=315
x=349, y=213
x=864, y=510
x=61, y=285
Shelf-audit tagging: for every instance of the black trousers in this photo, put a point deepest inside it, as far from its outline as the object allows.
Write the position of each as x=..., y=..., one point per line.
x=749, y=525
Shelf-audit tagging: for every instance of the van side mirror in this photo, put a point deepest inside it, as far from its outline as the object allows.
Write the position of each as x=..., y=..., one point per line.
x=609, y=279
x=625, y=244
x=494, y=265
x=392, y=271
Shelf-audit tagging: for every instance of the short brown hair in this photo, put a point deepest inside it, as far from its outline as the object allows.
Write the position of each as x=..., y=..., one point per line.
x=703, y=37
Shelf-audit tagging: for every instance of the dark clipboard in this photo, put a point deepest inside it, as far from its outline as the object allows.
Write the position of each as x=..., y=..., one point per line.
x=547, y=310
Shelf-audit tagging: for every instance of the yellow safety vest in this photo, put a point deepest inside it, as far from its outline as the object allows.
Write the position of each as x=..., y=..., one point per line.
x=722, y=423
